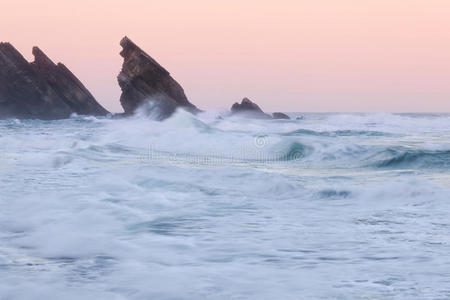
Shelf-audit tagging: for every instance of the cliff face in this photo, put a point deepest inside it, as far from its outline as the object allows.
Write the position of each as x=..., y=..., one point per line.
x=41, y=89
x=147, y=85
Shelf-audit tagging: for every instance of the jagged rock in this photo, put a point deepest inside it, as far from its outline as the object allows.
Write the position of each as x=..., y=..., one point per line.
x=41, y=89
x=148, y=86
x=279, y=115
x=249, y=109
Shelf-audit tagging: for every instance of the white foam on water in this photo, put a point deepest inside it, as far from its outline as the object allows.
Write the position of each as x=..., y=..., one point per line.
x=331, y=206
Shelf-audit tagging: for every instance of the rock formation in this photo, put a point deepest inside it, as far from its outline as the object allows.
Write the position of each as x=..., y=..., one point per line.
x=280, y=115
x=41, y=89
x=249, y=109
x=147, y=85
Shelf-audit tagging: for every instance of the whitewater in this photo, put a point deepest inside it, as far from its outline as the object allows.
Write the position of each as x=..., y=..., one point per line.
x=332, y=206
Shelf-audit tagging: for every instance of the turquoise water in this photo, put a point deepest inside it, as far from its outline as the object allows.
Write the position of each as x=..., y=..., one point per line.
x=333, y=206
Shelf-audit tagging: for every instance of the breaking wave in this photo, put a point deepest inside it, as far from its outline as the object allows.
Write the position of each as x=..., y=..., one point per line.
x=414, y=159
x=201, y=207
x=300, y=132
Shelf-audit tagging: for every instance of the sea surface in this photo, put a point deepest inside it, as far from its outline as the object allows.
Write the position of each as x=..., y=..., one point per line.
x=332, y=206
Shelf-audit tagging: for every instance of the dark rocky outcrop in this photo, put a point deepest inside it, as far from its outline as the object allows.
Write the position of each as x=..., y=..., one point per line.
x=280, y=115
x=41, y=89
x=147, y=85
x=249, y=109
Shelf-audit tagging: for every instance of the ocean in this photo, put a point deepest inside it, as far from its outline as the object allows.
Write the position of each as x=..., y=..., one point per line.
x=332, y=206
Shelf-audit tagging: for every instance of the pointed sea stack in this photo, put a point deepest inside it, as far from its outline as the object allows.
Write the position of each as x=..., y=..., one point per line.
x=146, y=84
x=41, y=89
x=249, y=109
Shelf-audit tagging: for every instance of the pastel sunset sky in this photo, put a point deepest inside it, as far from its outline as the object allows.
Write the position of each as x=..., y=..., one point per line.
x=286, y=55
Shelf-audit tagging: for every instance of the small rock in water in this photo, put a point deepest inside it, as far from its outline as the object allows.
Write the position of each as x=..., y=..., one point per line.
x=249, y=109
x=279, y=115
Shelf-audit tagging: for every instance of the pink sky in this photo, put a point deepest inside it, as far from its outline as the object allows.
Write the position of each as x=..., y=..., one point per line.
x=303, y=55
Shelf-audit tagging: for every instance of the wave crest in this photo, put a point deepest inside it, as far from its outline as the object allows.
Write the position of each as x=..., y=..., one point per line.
x=414, y=158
